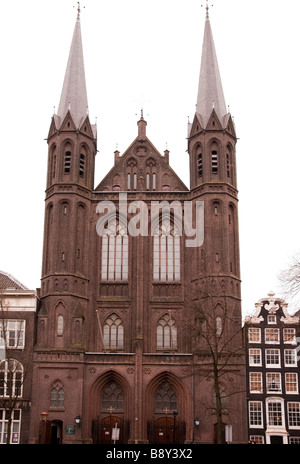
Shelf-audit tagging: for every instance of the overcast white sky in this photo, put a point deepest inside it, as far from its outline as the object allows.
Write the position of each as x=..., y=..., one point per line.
x=149, y=51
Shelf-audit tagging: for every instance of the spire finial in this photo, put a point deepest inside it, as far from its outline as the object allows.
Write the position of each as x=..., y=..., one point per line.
x=78, y=10
x=207, y=9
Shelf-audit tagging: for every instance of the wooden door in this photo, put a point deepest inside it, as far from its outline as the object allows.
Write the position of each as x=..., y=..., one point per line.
x=165, y=431
x=106, y=430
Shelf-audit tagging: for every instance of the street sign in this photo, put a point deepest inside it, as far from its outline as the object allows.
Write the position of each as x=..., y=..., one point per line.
x=228, y=433
x=115, y=433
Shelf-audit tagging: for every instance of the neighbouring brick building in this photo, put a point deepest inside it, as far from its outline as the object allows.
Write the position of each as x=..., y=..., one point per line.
x=18, y=306
x=273, y=400
x=130, y=299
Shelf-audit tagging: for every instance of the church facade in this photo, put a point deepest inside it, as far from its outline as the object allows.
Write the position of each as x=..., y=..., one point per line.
x=139, y=336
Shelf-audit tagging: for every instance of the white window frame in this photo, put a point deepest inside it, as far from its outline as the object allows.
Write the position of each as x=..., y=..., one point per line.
x=268, y=354
x=271, y=319
x=273, y=382
x=255, y=353
x=15, y=426
x=290, y=353
x=259, y=380
x=258, y=412
x=274, y=340
x=14, y=369
x=289, y=335
x=270, y=423
x=291, y=404
x=251, y=332
x=289, y=382
x=7, y=328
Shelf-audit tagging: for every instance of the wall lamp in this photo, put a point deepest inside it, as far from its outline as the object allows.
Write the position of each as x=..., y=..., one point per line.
x=44, y=416
x=77, y=420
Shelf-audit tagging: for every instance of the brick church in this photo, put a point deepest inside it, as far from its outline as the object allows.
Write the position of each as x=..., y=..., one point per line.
x=139, y=329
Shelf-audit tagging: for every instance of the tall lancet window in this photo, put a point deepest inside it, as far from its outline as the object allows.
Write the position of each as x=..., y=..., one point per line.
x=67, y=159
x=114, y=261
x=113, y=332
x=166, y=333
x=214, y=161
x=166, y=400
x=166, y=252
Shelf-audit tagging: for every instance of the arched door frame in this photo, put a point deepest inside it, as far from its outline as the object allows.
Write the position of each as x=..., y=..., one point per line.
x=183, y=406
x=95, y=410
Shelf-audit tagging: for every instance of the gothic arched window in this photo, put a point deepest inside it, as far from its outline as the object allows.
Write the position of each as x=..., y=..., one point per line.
x=165, y=400
x=115, y=254
x=57, y=395
x=214, y=161
x=113, y=332
x=81, y=165
x=113, y=397
x=53, y=165
x=60, y=325
x=219, y=325
x=67, y=162
x=166, y=333
x=229, y=162
x=166, y=252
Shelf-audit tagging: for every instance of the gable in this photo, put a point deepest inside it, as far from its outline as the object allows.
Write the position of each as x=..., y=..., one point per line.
x=141, y=168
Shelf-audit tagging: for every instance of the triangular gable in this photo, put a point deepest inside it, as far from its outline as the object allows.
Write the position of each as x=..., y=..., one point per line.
x=196, y=126
x=229, y=125
x=213, y=122
x=68, y=123
x=141, y=158
x=86, y=128
x=53, y=127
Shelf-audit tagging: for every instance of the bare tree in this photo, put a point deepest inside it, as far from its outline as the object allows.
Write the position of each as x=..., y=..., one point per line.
x=218, y=348
x=290, y=278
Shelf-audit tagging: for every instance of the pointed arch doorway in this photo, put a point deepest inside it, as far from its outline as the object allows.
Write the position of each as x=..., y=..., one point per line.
x=109, y=425
x=111, y=430
x=166, y=428
x=167, y=425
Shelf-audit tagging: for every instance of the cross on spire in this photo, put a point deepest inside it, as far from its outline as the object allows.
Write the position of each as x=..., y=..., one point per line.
x=207, y=9
x=78, y=10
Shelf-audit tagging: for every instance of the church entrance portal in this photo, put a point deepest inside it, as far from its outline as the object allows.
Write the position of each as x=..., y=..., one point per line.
x=108, y=430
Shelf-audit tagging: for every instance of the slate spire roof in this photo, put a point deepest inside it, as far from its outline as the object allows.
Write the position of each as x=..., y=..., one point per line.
x=74, y=94
x=210, y=90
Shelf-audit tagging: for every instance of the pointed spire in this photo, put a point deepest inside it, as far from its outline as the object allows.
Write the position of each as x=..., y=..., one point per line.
x=74, y=95
x=210, y=91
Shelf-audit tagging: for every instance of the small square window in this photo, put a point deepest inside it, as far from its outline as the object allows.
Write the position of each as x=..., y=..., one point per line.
x=254, y=335
x=271, y=319
x=254, y=357
x=289, y=335
x=272, y=335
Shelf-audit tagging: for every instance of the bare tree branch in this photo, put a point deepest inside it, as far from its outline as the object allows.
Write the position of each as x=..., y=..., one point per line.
x=218, y=346
x=290, y=279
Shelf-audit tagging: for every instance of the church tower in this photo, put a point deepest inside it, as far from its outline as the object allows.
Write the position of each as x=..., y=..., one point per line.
x=70, y=179
x=215, y=276
x=211, y=146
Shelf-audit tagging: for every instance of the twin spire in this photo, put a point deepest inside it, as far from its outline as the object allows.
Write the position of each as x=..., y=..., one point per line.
x=74, y=94
x=210, y=92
